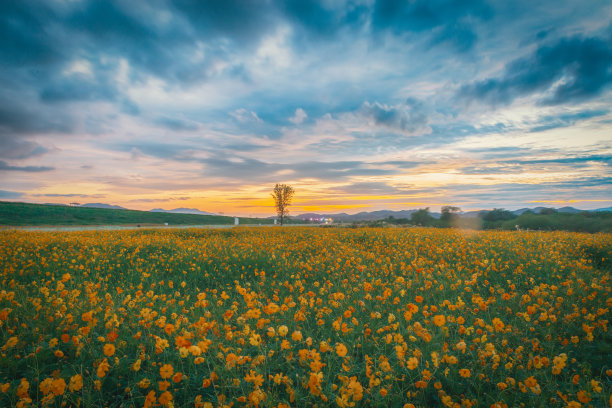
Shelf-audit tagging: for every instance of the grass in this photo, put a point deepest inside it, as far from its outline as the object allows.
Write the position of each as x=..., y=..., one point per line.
x=23, y=214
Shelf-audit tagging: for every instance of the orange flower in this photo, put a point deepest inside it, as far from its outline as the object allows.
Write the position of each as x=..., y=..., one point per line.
x=439, y=320
x=45, y=386
x=166, y=371
x=177, y=377
x=150, y=399
x=341, y=349
x=103, y=368
x=109, y=349
x=412, y=363
x=418, y=299
x=465, y=373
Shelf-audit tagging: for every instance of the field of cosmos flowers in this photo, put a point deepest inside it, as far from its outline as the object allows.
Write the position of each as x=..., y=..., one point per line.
x=289, y=317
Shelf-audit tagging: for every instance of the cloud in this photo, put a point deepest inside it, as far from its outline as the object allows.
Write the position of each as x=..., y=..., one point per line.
x=549, y=122
x=607, y=159
x=450, y=20
x=14, y=147
x=249, y=170
x=408, y=117
x=298, y=117
x=574, y=69
x=243, y=115
x=70, y=195
x=176, y=123
x=30, y=169
x=17, y=117
x=367, y=188
x=10, y=194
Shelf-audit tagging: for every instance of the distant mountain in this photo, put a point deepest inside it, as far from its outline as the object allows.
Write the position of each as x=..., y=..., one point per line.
x=362, y=216
x=183, y=211
x=102, y=205
x=603, y=209
x=571, y=210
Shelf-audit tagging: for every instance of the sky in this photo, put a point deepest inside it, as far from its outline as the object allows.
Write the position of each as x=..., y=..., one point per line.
x=359, y=105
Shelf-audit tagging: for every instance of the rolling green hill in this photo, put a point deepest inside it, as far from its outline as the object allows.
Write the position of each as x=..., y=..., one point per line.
x=23, y=214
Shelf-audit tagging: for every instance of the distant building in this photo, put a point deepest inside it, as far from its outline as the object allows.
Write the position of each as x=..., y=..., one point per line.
x=236, y=221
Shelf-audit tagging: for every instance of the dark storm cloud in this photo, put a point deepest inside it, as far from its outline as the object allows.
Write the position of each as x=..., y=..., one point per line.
x=4, y=166
x=583, y=65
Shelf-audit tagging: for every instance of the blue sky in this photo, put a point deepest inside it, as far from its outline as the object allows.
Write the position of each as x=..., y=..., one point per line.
x=360, y=105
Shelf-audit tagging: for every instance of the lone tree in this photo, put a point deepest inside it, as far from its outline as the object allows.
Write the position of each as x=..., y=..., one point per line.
x=282, y=195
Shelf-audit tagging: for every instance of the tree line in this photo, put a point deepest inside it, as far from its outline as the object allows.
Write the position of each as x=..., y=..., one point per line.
x=547, y=219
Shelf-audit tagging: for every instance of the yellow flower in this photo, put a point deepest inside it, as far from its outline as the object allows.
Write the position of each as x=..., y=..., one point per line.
x=58, y=386
x=76, y=383
x=283, y=330
x=136, y=365
x=255, y=339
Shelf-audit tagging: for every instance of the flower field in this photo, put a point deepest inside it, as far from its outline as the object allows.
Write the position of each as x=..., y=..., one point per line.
x=288, y=317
